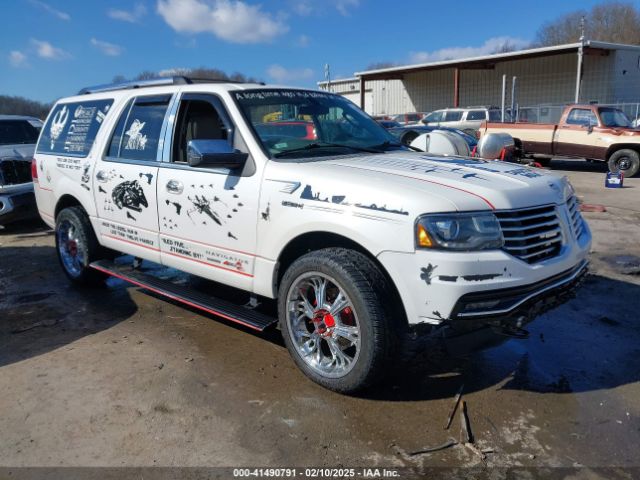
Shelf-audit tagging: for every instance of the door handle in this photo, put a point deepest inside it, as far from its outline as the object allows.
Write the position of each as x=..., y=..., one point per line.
x=175, y=187
x=102, y=176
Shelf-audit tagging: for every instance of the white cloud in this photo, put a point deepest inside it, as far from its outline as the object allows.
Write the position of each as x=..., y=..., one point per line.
x=131, y=16
x=17, y=59
x=107, y=48
x=343, y=6
x=49, y=9
x=282, y=74
x=230, y=20
x=450, y=53
x=46, y=50
x=305, y=8
x=302, y=7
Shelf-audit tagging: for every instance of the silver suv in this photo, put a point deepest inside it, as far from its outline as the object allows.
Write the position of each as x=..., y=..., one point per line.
x=467, y=119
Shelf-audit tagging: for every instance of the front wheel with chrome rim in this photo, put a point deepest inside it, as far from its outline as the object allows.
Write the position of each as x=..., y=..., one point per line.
x=77, y=246
x=333, y=320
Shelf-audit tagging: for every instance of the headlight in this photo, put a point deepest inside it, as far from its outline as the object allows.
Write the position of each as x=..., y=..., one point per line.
x=459, y=231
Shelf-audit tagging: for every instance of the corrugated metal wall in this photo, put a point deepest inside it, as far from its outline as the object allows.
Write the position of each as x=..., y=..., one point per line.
x=544, y=80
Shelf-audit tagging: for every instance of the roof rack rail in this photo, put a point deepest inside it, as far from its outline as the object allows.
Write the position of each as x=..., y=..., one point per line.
x=154, y=82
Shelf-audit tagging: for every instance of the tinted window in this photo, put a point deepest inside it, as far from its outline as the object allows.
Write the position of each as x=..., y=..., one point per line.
x=495, y=116
x=476, y=115
x=453, y=116
x=581, y=116
x=137, y=133
x=612, y=117
x=17, y=131
x=72, y=127
x=433, y=117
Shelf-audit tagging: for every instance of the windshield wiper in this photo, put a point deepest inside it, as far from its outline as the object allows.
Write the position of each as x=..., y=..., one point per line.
x=315, y=145
x=386, y=144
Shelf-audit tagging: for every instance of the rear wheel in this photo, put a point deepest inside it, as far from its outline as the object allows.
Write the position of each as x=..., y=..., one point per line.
x=77, y=247
x=626, y=161
x=334, y=321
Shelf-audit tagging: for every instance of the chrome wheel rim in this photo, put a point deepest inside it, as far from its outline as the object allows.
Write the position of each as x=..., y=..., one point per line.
x=323, y=324
x=624, y=163
x=71, y=248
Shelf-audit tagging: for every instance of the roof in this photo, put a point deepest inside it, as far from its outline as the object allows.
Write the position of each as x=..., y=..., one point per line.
x=497, y=57
x=19, y=117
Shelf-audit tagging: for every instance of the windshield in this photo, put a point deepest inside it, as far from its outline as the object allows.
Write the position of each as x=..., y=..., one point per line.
x=299, y=123
x=612, y=117
x=14, y=132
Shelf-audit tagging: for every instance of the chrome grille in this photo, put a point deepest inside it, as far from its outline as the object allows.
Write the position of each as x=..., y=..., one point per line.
x=531, y=234
x=576, y=218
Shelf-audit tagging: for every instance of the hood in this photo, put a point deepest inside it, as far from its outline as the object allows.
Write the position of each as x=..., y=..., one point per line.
x=18, y=151
x=469, y=184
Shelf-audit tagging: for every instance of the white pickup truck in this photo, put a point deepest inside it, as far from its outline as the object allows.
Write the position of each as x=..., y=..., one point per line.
x=299, y=196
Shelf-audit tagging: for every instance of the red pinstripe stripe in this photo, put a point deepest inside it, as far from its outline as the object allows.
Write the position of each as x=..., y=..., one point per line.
x=429, y=181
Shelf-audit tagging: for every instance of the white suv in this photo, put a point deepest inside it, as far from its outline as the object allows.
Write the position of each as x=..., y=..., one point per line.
x=367, y=247
x=467, y=119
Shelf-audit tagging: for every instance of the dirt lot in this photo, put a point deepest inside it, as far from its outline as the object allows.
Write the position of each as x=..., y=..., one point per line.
x=118, y=377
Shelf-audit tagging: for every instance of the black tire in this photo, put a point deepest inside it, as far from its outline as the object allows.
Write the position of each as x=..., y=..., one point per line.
x=544, y=162
x=380, y=325
x=409, y=137
x=76, y=218
x=626, y=161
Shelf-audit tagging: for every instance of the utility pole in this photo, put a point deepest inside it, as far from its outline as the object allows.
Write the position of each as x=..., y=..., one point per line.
x=580, y=61
x=327, y=76
x=504, y=96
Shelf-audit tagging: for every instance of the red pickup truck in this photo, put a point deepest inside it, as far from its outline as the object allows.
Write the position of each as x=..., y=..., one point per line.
x=585, y=131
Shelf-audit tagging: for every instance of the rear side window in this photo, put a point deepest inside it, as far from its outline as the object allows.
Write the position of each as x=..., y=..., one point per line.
x=454, y=116
x=72, y=127
x=476, y=115
x=14, y=132
x=495, y=116
x=582, y=116
x=137, y=132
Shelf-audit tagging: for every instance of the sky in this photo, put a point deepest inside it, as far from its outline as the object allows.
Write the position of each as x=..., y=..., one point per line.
x=53, y=48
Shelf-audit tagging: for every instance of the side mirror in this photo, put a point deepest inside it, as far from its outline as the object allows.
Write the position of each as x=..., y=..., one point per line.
x=214, y=153
x=590, y=128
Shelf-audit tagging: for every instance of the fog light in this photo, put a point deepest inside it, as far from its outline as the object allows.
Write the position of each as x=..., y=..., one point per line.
x=481, y=305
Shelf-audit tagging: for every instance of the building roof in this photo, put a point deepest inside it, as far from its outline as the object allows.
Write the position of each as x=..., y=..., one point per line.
x=397, y=72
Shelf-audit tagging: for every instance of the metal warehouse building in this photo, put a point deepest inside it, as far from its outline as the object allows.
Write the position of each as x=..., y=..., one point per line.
x=587, y=71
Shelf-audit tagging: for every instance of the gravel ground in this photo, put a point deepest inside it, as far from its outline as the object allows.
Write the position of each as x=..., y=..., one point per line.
x=119, y=377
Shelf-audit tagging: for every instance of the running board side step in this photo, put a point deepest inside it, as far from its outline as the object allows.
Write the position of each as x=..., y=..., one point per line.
x=221, y=308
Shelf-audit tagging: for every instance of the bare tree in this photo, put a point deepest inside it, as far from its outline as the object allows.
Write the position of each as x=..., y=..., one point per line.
x=505, y=47
x=23, y=106
x=203, y=73
x=615, y=21
x=381, y=65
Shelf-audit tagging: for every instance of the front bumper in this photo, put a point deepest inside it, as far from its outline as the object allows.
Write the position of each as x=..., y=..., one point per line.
x=438, y=287
x=17, y=204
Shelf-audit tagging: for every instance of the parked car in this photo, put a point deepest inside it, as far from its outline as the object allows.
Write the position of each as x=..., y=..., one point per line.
x=408, y=118
x=388, y=124
x=18, y=137
x=585, y=131
x=406, y=135
x=291, y=128
x=467, y=119
x=371, y=251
